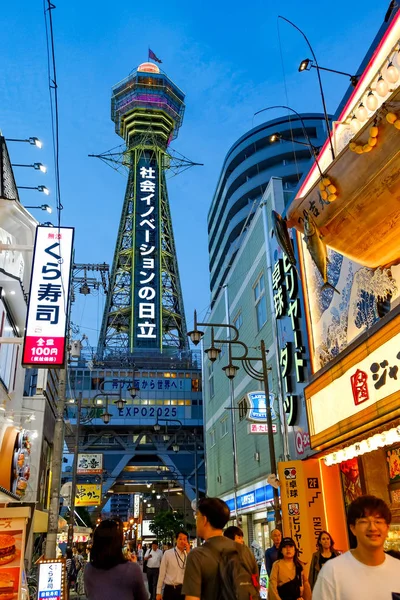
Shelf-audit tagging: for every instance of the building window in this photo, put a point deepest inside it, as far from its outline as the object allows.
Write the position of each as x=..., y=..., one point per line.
x=242, y=409
x=260, y=302
x=212, y=438
x=224, y=426
x=238, y=321
x=211, y=379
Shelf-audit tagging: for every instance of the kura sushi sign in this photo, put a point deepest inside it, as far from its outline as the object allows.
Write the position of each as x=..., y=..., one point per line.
x=45, y=334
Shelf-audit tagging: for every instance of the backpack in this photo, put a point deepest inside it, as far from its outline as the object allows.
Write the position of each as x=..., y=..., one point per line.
x=237, y=580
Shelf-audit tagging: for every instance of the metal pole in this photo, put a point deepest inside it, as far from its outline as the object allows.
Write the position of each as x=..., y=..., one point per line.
x=58, y=445
x=74, y=469
x=184, y=501
x=272, y=457
x=196, y=479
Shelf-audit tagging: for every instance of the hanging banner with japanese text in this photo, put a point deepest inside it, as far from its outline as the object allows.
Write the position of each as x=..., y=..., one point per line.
x=88, y=494
x=146, y=293
x=46, y=323
x=303, y=512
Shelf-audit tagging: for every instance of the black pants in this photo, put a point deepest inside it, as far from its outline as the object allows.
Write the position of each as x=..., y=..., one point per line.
x=173, y=593
x=152, y=578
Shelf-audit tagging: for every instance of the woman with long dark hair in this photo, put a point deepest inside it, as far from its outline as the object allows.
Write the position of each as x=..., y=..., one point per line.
x=109, y=575
x=288, y=580
x=326, y=551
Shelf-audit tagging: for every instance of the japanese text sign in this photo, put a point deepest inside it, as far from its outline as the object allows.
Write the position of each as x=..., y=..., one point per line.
x=136, y=506
x=287, y=304
x=88, y=494
x=303, y=512
x=51, y=580
x=46, y=323
x=89, y=464
x=147, y=281
x=358, y=387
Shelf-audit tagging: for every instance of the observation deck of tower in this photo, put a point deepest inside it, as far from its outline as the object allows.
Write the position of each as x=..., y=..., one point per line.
x=144, y=307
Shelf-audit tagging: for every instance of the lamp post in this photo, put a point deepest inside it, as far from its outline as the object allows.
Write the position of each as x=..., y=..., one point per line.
x=45, y=207
x=276, y=136
x=307, y=64
x=321, y=89
x=231, y=371
x=38, y=188
x=74, y=470
x=34, y=141
x=36, y=166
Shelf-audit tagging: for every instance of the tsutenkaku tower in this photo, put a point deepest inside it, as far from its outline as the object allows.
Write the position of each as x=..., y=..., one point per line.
x=144, y=306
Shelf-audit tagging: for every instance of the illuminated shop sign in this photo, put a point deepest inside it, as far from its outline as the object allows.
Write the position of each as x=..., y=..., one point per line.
x=362, y=385
x=258, y=407
x=303, y=511
x=251, y=498
x=88, y=494
x=89, y=464
x=51, y=580
x=147, y=317
x=46, y=323
x=136, y=506
x=292, y=360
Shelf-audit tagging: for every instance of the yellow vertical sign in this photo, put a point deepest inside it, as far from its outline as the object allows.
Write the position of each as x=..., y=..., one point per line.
x=303, y=512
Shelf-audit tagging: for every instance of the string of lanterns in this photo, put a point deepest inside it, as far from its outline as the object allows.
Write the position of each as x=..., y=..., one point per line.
x=372, y=141
x=328, y=190
x=379, y=440
x=370, y=102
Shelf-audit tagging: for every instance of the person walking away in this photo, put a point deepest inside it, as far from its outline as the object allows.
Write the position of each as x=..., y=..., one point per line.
x=271, y=554
x=208, y=567
x=172, y=569
x=152, y=559
x=109, y=575
x=326, y=551
x=288, y=580
x=258, y=554
x=365, y=572
x=71, y=570
x=234, y=533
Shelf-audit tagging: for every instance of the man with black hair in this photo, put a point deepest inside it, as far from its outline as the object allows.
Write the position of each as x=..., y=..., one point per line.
x=172, y=569
x=365, y=572
x=234, y=533
x=202, y=574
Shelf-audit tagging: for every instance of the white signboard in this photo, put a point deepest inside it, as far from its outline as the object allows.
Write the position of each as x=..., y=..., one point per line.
x=136, y=506
x=146, y=529
x=48, y=298
x=372, y=379
x=50, y=580
x=89, y=464
x=260, y=428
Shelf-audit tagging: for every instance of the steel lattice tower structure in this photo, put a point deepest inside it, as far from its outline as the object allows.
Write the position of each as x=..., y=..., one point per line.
x=144, y=306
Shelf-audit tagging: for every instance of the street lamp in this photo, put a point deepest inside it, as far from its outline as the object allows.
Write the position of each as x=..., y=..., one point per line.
x=307, y=64
x=120, y=403
x=275, y=136
x=39, y=188
x=231, y=370
x=42, y=207
x=36, y=166
x=34, y=141
x=133, y=391
x=321, y=89
x=278, y=137
x=106, y=417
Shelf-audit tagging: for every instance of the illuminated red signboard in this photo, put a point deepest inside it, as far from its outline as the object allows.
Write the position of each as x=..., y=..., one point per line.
x=45, y=334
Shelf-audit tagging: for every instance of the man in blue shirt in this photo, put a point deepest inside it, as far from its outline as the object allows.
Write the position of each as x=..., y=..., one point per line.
x=271, y=555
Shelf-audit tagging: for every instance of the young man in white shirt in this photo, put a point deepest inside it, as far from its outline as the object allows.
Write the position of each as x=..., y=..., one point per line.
x=172, y=570
x=153, y=558
x=365, y=572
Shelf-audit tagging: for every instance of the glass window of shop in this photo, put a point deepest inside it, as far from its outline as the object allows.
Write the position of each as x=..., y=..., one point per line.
x=7, y=352
x=262, y=528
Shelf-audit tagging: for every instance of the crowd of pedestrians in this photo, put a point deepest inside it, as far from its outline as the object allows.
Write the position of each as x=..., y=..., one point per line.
x=224, y=568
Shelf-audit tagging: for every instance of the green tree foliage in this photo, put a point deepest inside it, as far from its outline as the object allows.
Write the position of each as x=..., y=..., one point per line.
x=166, y=525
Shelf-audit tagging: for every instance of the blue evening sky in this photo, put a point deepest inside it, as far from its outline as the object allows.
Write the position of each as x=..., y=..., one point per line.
x=228, y=57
